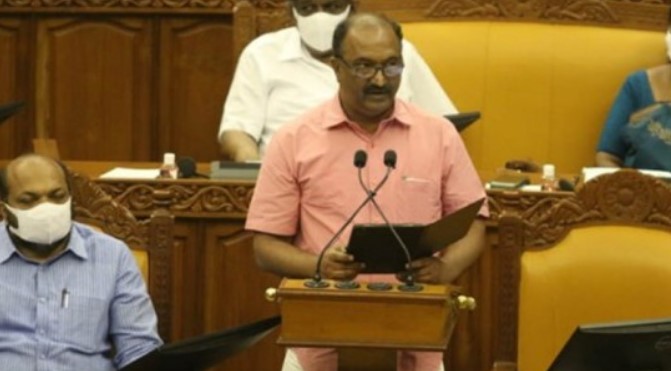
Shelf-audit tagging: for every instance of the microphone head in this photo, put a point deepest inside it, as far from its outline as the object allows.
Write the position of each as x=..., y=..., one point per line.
x=390, y=159
x=360, y=158
x=187, y=167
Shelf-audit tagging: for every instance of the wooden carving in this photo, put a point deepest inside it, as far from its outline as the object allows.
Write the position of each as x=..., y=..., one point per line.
x=184, y=198
x=221, y=5
x=270, y=15
x=578, y=10
x=625, y=197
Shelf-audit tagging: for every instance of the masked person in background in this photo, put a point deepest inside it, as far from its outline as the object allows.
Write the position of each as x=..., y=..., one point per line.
x=72, y=298
x=282, y=74
x=637, y=133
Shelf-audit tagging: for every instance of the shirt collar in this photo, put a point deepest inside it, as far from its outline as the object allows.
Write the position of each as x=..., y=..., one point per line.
x=75, y=245
x=293, y=48
x=335, y=116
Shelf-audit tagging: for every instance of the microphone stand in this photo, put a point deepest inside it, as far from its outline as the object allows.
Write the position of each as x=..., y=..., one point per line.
x=317, y=281
x=409, y=280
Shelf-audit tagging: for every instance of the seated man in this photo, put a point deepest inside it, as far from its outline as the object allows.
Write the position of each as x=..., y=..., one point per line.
x=282, y=74
x=72, y=298
x=307, y=187
x=627, y=139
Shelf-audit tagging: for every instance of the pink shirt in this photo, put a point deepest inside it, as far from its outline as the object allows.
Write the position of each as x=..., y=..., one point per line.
x=308, y=185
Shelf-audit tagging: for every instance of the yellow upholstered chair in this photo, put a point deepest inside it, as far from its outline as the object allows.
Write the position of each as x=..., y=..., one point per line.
x=150, y=240
x=602, y=255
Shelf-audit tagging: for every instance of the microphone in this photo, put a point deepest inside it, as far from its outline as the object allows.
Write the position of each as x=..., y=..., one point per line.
x=390, y=159
x=360, y=158
x=187, y=168
x=390, y=163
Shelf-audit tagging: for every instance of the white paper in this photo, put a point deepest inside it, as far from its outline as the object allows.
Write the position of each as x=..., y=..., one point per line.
x=589, y=173
x=130, y=173
x=531, y=188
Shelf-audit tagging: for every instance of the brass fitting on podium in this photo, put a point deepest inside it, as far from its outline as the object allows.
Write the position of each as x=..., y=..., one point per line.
x=271, y=294
x=466, y=303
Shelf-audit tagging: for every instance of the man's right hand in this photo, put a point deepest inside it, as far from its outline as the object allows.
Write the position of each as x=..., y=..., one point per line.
x=337, y=264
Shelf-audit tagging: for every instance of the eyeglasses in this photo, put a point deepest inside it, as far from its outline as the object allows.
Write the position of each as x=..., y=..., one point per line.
x=307, y=7
x=366, y=70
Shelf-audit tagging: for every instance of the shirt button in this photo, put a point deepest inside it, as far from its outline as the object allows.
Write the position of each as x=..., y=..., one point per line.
x=43, y=300
x=41, y=332
x=43, y=356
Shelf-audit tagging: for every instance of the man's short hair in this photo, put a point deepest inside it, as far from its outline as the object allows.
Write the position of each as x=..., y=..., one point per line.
x=343, y=28
x=4, y=184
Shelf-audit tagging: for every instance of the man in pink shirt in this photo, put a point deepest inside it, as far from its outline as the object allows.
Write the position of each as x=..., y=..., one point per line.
x=308, y=186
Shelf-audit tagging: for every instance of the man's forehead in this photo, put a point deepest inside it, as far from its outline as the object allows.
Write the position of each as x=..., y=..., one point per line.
x=33, y=170
x=363, y=41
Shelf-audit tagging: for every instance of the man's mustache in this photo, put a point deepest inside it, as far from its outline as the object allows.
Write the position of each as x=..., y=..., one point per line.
x=377, y=90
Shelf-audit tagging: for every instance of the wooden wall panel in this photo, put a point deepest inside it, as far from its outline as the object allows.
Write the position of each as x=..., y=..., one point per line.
x=196, y=67
x=94, y=83
x=234, y=294
x=14, y=83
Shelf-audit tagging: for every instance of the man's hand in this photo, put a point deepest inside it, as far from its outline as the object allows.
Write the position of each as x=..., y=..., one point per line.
x=337, y=264
x=427, y=270
x=238, y=146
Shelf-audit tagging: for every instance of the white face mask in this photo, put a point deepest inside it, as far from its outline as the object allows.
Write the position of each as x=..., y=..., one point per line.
x=668, y=44
x=317, y=29
x=43, y=224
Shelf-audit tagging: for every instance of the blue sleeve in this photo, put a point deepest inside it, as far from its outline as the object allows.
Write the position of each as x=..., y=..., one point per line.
x=634, y=95
x=133, y=319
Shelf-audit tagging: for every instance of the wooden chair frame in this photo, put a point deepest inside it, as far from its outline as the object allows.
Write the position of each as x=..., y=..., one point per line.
x=626, y=197
x=153, y=235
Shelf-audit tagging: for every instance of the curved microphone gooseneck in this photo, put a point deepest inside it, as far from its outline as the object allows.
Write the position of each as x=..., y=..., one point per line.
x=360, y=158
x=390, y=163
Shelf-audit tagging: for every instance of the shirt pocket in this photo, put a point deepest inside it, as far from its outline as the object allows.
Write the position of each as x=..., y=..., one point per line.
x=84, y=321
x=422, y=198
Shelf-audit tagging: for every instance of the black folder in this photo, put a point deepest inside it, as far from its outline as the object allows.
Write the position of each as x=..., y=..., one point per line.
x=376, y=246
x=463, y=120
x=203, y=352
x=7, y=110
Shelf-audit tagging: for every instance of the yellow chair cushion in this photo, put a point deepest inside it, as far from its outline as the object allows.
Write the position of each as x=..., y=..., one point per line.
x=544, y=90
x=594, y=275
x=142, y=259
x=141, y=256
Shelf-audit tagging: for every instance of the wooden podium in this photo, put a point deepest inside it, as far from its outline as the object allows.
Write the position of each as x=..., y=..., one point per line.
x=367, y=321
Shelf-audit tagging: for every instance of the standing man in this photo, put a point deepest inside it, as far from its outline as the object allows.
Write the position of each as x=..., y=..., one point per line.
x=308, y=186
x=280, y=75
x=72, y=298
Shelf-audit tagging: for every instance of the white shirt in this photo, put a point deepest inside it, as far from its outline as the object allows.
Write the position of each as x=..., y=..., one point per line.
x=277, y=80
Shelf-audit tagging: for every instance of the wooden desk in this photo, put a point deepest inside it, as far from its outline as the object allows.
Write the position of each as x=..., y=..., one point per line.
x=219, y=285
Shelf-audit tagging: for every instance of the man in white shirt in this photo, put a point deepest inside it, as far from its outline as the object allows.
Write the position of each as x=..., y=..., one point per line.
x=282, y=74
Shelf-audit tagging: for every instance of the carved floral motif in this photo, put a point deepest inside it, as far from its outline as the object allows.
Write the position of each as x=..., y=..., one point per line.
x=578, y=10
x=213, y=199
x=130, y=4
x=625, y=196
